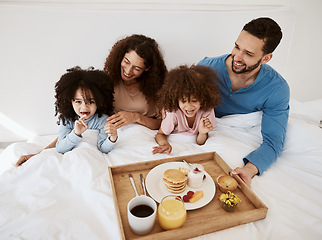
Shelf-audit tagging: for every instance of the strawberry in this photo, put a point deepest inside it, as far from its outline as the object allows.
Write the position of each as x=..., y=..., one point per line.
x=186, y=198
x=190, y=193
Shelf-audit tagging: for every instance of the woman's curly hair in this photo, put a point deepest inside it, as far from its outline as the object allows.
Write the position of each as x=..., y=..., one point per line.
x=185, y=82
x=148, y=49
x=95, y=81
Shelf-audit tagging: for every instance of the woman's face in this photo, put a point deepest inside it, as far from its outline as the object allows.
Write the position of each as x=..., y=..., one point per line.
x=132, y=66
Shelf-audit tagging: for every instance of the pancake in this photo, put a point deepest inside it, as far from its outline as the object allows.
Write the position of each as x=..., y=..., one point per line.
x=175, y=180
x=174, y=176
x=177, y=190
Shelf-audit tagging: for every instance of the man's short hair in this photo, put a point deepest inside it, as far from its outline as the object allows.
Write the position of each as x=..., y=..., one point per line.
x=266, y=29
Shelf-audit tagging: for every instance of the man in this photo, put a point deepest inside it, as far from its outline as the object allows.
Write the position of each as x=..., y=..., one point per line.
x=248, y=84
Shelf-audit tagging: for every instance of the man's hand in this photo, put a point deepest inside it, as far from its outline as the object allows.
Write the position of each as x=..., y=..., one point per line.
x=246, y=173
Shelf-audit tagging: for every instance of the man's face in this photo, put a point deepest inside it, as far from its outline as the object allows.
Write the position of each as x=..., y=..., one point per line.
x=247, y=55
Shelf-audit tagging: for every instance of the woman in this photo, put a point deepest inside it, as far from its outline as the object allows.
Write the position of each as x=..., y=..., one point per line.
x=136, y=66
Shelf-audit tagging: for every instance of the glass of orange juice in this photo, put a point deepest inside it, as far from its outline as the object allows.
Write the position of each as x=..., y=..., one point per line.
x=171, y=212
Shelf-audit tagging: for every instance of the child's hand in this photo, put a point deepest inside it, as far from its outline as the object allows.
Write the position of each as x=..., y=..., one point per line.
x=111, y=130
x=80, y=126
x=205, y=126
x=23, y=159
x=162, y=148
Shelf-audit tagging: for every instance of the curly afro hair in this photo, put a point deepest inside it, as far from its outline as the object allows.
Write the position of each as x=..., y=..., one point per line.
x=148, y=49
x=185, y=82
x=95, y=81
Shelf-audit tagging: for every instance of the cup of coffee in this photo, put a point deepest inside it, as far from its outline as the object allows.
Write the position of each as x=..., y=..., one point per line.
x=141, y=213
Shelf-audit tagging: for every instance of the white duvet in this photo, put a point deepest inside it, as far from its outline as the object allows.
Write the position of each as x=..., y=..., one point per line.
x=55, y=196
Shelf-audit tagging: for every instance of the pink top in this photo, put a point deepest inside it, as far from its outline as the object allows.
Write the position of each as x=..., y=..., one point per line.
x=132, y=102
x=176, y=122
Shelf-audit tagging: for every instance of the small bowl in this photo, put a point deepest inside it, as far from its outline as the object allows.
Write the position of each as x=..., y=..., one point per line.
x=228, y=208
x=226, y=183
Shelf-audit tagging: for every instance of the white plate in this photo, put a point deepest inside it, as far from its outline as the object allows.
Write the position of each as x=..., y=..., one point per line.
x=158, y=190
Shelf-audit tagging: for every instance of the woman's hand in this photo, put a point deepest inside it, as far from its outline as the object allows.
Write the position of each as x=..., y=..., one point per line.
x=121, y=119
x=205, y=126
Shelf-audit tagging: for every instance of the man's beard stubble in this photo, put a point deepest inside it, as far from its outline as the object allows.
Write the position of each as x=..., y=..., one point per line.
x=245, y=69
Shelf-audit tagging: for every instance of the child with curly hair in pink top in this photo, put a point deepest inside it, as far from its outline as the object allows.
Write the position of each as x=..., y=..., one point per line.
x=188, y=98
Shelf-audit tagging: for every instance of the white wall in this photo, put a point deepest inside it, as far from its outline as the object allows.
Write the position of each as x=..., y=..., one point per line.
x=40, y=39
x=303, y=69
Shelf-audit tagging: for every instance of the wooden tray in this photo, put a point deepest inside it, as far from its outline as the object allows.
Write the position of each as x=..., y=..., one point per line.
x=207, y=219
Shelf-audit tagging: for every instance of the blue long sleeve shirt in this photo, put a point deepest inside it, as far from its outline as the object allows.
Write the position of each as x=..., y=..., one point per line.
x=67, y=139
x=269, y=93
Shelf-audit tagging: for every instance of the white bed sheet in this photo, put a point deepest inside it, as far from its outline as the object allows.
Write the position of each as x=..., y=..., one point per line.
x=55, y=196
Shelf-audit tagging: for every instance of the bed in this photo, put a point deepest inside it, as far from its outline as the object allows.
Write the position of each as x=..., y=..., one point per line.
x=55, y=196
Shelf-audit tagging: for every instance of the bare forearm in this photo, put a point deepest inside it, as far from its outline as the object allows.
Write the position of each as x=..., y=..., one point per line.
x=251, y=168
x=161, y=139
x=148, y=122
x=202, y=138
x=25, y=158
x=53, y=144
x=164, y=145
